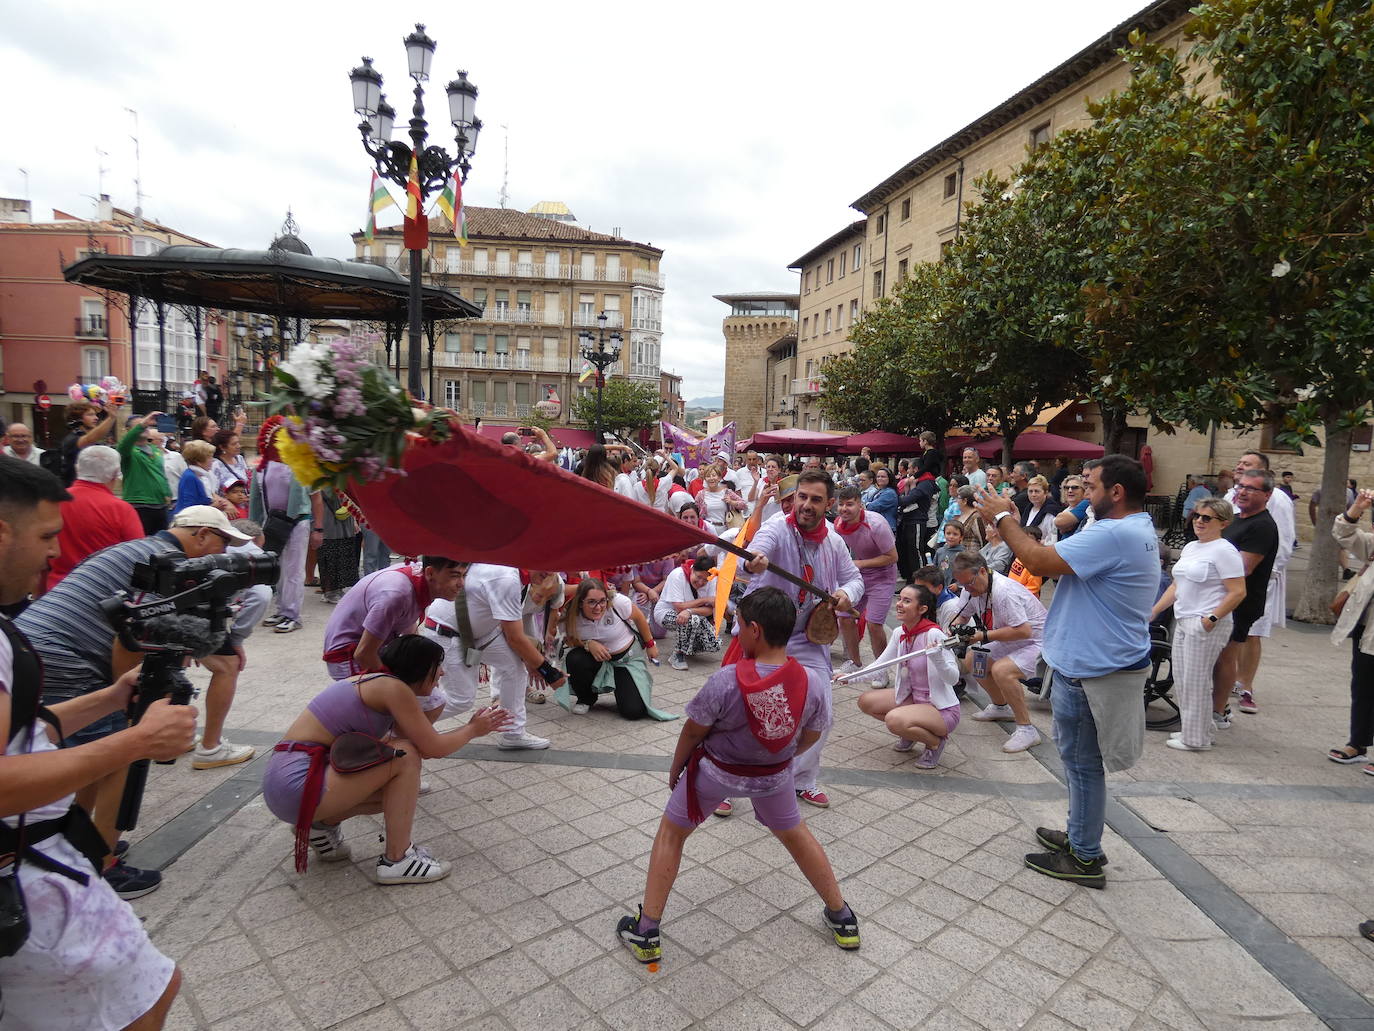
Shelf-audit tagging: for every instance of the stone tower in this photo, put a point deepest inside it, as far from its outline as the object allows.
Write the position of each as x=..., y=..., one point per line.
x=756, y=320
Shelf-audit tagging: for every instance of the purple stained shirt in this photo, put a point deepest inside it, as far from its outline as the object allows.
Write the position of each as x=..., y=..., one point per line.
x=873, y=538
x=276, y=486
x=718, y=705
x=834, y=570
x=382, y=603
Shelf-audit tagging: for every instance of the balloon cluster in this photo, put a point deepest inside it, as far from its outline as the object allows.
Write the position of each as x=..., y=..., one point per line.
x=108, y=389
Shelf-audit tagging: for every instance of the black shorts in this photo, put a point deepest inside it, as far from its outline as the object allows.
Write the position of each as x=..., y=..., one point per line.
x=1240, y=628
x=226, y=648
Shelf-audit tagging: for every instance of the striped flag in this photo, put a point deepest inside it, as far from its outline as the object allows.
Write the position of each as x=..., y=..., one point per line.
x=379, y=198
x=451, y=204
x=587, y=369
x=417, y=225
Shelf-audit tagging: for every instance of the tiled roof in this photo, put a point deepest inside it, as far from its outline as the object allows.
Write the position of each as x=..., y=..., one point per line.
x=854, y=229
x=508, y=224
x=123, y=224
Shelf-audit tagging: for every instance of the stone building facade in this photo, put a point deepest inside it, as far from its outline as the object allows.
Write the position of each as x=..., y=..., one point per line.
x=832, y=297
x=756, y=322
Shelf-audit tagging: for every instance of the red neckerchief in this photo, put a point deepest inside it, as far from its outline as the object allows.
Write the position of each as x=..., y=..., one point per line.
x=524, y=577
x=925, y=624
x=810, y=536
x=423, y=596
x=845, y=529
x=773, y=703
x=925, y=476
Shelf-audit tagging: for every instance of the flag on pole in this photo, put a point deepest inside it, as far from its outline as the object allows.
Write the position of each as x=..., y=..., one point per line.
x=417, y=225
x=451, y=204
x=379, y=198
x=587, y=369
x=725, y=576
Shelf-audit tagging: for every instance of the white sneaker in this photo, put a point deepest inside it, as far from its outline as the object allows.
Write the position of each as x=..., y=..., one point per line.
x=1177, y=742
x=536, y=695
x=522, y=740
x=581, y=709
x=678, y=661
x=993, y=713
x=417, y=866
x=225, y=754
x=1023, y=737
x=425, y=787
x=1221, y=720
x=849, y=667
x=328, y=844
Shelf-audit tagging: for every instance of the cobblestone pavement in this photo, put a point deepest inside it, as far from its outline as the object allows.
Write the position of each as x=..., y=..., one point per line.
x=1236, y=881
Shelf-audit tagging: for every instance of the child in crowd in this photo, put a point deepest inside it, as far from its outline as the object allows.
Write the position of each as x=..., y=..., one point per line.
x=1020, y=573
x=933, y=580
x=922, y=709
x=742, y=731
x=944, y=555
x=237, y=494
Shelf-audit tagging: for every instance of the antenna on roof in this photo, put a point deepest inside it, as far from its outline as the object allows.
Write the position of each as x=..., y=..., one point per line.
x=100, y=171
x=138, y=174
x=505, y=175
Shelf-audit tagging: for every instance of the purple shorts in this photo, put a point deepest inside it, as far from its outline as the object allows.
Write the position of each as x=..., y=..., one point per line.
x=878, y=600
x=283, y=784
x=776, y=809
x=951, y=717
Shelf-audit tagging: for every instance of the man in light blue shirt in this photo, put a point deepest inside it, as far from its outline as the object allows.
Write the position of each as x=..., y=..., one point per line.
x=1097, y=645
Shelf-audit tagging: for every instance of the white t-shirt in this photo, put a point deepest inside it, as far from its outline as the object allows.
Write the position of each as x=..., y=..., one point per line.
x=626, y=483
x=32, y=457
x=660, y=498
x=19, y=746
x=677, y=502
x=713, y=506
x=610, y=629
x=977, y=478
x=1198, y=576
x=677, y=588
x=494, y=596
x=1012, y=605
x=744, y=483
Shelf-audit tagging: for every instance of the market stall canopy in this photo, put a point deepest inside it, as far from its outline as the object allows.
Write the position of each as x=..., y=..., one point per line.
x=275, y=282
x=881, y=442
x=563, y=436
x=1040, y=445
x=799, y=442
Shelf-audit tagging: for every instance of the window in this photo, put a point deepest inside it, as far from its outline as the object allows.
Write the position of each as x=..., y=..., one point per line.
x=612, y=302
x=878, y=283
x=1269, y=432
x=901, y=270
x=827, y=320
x=586, y=306
x=806, y=325
x=479, y=343
x=502, y=303
x=525, y=261
x=502, y=344
x=453, y=343
x=906, y=208
x=95, y=363
x=810, y=367
x=853, y=311
x=479, y=391
x=1361, y=437
x=858, y=257
x=881, y=226
x=503, y=263
x=830, y=271
x=843, y=255
x=522, y=343
x=479, y=260
x=522, y=394
x=806, y=281
x=588, y=266
x=453, y=394
x=951, y=185
x=479, y=297
x=452, y=259
x=1039, y=136
x=522, y=300
x=818, y=275
x=551, y=263
x=839, y=316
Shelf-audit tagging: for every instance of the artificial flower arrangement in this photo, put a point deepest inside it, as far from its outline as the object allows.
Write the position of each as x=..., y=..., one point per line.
x=346, y=418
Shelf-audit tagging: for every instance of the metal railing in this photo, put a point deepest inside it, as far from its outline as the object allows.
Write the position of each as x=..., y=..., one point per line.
x=807, y=385
x=92, y=327
x=520, y=360
x=537, y=270
x=614, y=319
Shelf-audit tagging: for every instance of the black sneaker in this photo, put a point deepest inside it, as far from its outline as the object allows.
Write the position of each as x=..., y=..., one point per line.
x=121, y=846
x=647, y=948
x=845, y=932
x=1066, y=866
x=1056, y=841
x=129, y=882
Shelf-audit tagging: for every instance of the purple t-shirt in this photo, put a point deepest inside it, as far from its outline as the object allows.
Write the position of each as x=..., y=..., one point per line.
x=718, y=705
x=873, y=537
x=276, y=486
x=382, y=603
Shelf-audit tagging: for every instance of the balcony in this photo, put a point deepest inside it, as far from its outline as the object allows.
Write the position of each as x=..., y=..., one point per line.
x=807, y=386
x=519, y=361
x=92, y=327
x=614, y=320
x=644, y=278
x=522, y=316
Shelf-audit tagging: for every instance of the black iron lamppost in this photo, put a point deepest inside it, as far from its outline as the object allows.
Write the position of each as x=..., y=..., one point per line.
x=434, y=166
x=594, y=350
x=266, y=347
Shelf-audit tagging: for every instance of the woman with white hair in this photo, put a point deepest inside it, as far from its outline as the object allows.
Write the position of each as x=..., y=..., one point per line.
x=94, y=518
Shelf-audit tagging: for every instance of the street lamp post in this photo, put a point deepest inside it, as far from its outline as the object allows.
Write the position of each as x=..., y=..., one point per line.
x=266, y=347
x=434, y=166
x=594, y=350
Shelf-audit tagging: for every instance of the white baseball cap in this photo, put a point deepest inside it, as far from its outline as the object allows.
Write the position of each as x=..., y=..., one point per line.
x=210, y=518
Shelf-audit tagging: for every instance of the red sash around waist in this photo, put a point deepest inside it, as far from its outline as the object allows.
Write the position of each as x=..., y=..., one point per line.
x=694, y=812
x=310, y=795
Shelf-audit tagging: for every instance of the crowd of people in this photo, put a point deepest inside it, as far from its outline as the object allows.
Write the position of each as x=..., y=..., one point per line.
x=1017, y=569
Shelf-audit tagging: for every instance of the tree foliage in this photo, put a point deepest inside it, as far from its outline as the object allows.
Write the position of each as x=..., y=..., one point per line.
x=625, y=406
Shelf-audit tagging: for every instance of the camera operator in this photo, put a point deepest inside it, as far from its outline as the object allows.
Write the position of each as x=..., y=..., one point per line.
x=1010, y=625
x=87, y=961
x=70, y=631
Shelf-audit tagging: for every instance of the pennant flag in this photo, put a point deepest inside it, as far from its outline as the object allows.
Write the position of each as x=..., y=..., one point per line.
x=451, y=204
x=379, y=198
x=473, y=500
x=417, y=225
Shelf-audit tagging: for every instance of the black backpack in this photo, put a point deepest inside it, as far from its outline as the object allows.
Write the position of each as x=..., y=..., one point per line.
x=51, y=460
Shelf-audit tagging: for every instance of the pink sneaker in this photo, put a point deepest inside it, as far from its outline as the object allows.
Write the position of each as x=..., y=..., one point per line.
x=725, y=808
x=930, y=758
x=1247, y=702
x=815, y=797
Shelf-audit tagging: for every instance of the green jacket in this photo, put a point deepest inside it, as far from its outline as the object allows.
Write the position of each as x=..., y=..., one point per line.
x=144, y=481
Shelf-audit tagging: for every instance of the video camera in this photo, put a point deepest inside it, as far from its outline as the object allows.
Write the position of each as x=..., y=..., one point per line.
x=190, y=618
x=965, y=632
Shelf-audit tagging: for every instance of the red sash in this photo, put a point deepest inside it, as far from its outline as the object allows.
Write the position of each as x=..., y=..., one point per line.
x=773, y=704
x=310, y=794
x=920, y=628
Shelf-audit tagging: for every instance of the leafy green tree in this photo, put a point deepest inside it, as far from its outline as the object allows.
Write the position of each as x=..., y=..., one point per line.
x=625, y=406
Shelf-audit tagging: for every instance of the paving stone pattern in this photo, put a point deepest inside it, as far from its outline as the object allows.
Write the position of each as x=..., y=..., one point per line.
x=956, y=932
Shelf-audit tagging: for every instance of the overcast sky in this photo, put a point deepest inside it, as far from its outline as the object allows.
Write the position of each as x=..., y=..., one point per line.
x=733, y=136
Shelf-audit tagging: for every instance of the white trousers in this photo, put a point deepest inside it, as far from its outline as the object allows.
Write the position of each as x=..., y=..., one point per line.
x=508, y=680
x=1194, y=653
x=291, y=586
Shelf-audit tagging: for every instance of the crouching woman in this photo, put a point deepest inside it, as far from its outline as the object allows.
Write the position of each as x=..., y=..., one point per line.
x=608, y=641
x=303, y=786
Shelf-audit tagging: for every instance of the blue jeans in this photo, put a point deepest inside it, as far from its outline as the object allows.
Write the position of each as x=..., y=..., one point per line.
x=376, y=553
x=1075, y=733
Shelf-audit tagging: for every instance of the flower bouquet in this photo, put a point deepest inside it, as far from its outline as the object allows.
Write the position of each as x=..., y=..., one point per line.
x=346, y=418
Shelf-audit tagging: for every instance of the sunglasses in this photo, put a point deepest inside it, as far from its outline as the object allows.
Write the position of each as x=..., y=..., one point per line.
x=1204, y=518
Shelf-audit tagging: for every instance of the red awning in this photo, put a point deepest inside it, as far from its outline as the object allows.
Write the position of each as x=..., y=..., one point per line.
x=1041, y=445
x=881, y=442
x=563, y=436
x=798, y=442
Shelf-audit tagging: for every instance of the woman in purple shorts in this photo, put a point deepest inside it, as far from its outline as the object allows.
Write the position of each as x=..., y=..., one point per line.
x=922, y=708
x=301, y=788
x=742, y=731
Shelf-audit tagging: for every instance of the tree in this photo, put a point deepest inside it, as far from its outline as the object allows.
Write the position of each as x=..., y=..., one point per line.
x=625, y=406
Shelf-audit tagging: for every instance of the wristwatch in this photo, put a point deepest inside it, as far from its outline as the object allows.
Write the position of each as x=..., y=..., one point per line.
x=1000, y=516
x=1212, y=618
